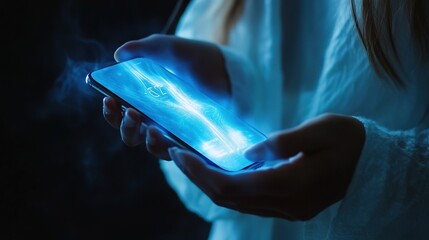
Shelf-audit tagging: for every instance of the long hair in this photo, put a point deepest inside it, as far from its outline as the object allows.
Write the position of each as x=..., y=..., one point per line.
x=233, y=10
x=376, y=32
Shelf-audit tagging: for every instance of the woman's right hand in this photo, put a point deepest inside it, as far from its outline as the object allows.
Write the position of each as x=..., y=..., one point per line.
x=198, y=62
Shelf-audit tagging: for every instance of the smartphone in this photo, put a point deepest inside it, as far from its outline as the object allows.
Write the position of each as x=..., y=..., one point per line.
x=186, y=115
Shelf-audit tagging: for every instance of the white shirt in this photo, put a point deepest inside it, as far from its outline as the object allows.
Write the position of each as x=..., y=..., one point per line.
x=299, y=59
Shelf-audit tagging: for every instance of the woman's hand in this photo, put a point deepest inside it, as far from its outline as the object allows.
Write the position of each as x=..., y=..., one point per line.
x=319, y=158
x=197, y=62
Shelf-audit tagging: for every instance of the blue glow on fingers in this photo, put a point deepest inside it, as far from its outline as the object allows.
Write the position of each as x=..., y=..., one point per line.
x=182, y=110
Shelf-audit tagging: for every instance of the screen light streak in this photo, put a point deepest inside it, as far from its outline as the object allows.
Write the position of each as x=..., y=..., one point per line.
x=182, y=110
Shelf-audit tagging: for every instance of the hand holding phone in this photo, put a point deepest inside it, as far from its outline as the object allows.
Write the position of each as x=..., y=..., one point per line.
x=189, y=117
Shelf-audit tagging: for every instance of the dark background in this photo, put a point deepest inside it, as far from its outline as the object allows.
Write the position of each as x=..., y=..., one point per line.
x=65, y=174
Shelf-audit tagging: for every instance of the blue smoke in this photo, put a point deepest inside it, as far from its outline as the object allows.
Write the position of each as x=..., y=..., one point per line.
x=67, y=174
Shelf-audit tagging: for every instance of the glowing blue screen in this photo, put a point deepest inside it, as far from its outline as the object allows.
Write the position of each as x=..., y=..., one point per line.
x=182, y=110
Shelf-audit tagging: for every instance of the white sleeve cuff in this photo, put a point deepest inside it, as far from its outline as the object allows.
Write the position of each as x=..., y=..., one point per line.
x=389, y=192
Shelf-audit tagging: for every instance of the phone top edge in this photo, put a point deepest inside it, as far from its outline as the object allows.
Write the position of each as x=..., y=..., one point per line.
x=92, y=82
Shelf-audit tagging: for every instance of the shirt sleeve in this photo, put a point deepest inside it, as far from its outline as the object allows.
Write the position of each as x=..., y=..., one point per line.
x=389, y=193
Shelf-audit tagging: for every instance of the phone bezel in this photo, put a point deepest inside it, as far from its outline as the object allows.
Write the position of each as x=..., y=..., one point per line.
x=92, y=82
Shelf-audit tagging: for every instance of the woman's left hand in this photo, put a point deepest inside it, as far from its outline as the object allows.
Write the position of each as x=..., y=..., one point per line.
x=317, y=162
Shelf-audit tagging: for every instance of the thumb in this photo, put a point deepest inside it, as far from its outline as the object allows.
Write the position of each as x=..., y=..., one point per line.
x=155, y=46
x=171, y=52
x=133, y=49
x=122, y=54
x=284, y=144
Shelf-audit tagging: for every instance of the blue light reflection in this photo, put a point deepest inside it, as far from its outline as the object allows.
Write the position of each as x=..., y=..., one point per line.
x=181, y=109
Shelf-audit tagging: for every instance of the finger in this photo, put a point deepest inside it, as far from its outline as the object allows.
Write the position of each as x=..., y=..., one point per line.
x=276, y=192
x=160, y=48
x=153, y=47
x=274, y=182
x=221, y=184
x=112, y=112
x=282, y=145
x=230, y=189
x=208, y=178
x=128, y=51
x=174, y=53
x=286, y=144
x=133, y=131
x=157, y=143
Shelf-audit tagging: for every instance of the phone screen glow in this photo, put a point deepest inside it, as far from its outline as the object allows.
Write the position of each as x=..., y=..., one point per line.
x=182, y=110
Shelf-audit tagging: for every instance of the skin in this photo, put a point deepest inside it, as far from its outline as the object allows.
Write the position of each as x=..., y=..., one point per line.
x=316, y=160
